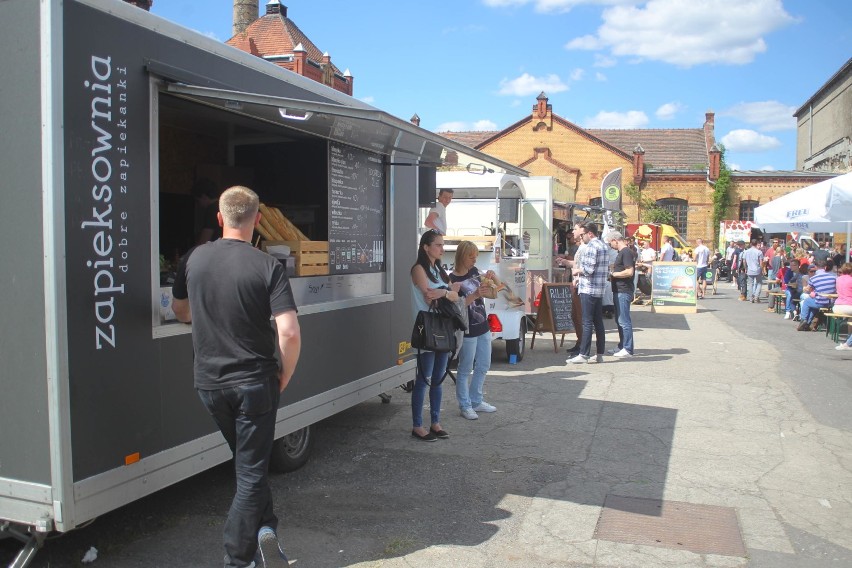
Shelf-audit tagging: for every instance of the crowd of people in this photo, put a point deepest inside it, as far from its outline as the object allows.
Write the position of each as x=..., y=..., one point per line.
x=813, y=283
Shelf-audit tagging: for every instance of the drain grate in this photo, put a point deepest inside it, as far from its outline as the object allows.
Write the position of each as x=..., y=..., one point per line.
x=703, y=529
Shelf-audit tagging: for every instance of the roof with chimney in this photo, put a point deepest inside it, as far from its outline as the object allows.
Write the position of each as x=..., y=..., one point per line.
x=274, y=36
x=668, y=148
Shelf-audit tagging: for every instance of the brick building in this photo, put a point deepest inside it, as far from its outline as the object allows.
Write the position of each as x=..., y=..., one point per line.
x=677, y=168
x=277, y=39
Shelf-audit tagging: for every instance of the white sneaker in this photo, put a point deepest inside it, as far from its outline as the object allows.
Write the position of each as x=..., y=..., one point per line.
x=612, y=351
x=595, y=359
x=843, y=347
x=788, y=315
x=623, y=353
x=484, y=407
x=578, y=359
x=469, y=413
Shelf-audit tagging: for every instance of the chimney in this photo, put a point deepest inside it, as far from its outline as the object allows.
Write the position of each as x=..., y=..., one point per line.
x=350, y=82
x=245, y=12
x=715, y=163
x=709, y=129
x=415, y=120
x=542, y=116
x=144, y=4
x=638, y=164
x=276, y=7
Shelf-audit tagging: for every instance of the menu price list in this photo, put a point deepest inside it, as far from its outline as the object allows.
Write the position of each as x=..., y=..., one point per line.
x=356, y=224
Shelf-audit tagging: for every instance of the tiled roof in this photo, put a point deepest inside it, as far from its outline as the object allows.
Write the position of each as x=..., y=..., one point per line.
x=670, y=148
x=471, y=139
x=273, y=34
x=673, y=148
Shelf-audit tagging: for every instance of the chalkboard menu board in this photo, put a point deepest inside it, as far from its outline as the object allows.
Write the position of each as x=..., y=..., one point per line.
x=356, y=210
x=554, y=311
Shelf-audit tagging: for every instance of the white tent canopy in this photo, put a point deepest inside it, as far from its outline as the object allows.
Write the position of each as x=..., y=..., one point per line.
x=824, y=207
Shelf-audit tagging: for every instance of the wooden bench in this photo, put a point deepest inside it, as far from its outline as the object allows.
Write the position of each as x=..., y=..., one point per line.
x=778, y=301
x=834, y=321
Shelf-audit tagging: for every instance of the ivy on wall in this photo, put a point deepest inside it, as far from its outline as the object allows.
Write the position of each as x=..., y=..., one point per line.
x=649, y=211
x=721, y=195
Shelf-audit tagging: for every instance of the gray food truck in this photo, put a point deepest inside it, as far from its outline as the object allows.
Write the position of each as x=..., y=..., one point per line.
x=109, y=113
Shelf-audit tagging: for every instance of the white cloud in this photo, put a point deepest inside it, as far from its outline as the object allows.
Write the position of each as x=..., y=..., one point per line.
x=767, y=168
x=734, y=167
x=604, y=61
x=484, y=125
x=766, y=115
x=552, y=5
x=369, y=99
x=668, y=110
x=600, y=76
x=577, y=74
x=687, y=33
x=462, y=126
x=629, y=119
x=527, y=85
x=749, y=141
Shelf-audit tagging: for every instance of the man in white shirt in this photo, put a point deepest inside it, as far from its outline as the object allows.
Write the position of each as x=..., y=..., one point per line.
x=437, y=218
x=667, y=250
x=702, y=260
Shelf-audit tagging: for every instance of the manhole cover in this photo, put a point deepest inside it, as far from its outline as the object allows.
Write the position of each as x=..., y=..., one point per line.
x=703, y=529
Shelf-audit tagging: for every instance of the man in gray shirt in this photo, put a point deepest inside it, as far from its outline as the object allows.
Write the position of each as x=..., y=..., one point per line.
x=753, y=259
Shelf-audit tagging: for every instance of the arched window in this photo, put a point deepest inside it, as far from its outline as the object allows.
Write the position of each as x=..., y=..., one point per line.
x=747, y=207
x=595, y=201
x=679, y=209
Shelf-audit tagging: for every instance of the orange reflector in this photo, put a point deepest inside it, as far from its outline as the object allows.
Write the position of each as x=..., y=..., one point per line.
x=494, y=323
x=132, y=458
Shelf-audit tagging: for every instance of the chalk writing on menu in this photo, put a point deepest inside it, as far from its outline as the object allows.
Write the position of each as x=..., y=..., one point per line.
x=356, y=212
x=559, y=296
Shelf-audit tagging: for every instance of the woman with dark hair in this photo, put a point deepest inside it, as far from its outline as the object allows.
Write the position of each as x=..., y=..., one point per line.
x=429, y=282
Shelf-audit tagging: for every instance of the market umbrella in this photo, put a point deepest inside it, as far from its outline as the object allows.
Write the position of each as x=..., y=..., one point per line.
x=839, y=205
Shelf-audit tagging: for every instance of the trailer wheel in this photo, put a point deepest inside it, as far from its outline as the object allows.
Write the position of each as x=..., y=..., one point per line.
x=292, y=451
x=518, y=347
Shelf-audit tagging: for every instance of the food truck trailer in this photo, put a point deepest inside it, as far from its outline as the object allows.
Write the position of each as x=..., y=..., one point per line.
x=109, y=114
x=509, y=218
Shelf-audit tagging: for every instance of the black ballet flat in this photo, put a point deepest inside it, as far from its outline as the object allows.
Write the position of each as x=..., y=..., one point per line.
x=430, y=437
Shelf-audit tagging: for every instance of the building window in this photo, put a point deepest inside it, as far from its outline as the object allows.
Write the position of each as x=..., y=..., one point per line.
x=747, y=208
x=595, y=201
x=678, y=209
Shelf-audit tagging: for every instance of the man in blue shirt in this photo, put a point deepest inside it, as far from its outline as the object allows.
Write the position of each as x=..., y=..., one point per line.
x=591, y=269
x=753, y=259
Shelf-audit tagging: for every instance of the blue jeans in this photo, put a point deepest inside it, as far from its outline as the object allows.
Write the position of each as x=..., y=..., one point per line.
x=809, y=308
x=434, y=366
x=592, y=308
x=246, y=416
x=755, y=285
x=770, y=275
x=791, y=295
x=622, y=317
x=474, y=362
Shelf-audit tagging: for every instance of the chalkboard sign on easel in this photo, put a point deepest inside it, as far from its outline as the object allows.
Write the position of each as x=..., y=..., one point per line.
x=554, y=312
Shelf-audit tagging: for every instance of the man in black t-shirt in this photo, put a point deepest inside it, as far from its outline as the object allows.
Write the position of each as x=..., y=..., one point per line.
x=622, y=290
x=230, y=291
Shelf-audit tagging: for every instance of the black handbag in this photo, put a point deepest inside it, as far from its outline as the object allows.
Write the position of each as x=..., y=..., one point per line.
x=433, y=331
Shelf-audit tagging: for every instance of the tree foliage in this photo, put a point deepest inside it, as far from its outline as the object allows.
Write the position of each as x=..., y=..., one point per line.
x=649, y=210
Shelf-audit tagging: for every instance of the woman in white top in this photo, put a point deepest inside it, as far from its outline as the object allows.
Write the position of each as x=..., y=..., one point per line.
x=429, y=282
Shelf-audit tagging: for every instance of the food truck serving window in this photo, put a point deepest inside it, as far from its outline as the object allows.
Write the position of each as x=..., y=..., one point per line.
x=321, y=178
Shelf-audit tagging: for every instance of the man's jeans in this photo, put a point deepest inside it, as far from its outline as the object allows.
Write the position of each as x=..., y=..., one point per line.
x=791, y=295
x=770, y=276
x=246, y=416
x=755, y=285
x=434, y=366
x=474, y=362
x=809, y=308
x=592, y=307
x=622, y=317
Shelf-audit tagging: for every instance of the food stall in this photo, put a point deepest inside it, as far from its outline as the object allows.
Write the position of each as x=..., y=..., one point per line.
x=113, y=114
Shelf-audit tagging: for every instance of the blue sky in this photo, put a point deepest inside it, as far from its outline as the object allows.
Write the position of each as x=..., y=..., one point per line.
x=479, y=64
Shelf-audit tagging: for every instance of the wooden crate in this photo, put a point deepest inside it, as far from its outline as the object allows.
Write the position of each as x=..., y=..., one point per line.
x=311, y=256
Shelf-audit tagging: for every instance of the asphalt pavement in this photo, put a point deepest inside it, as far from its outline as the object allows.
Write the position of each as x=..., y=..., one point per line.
x=725, y=442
